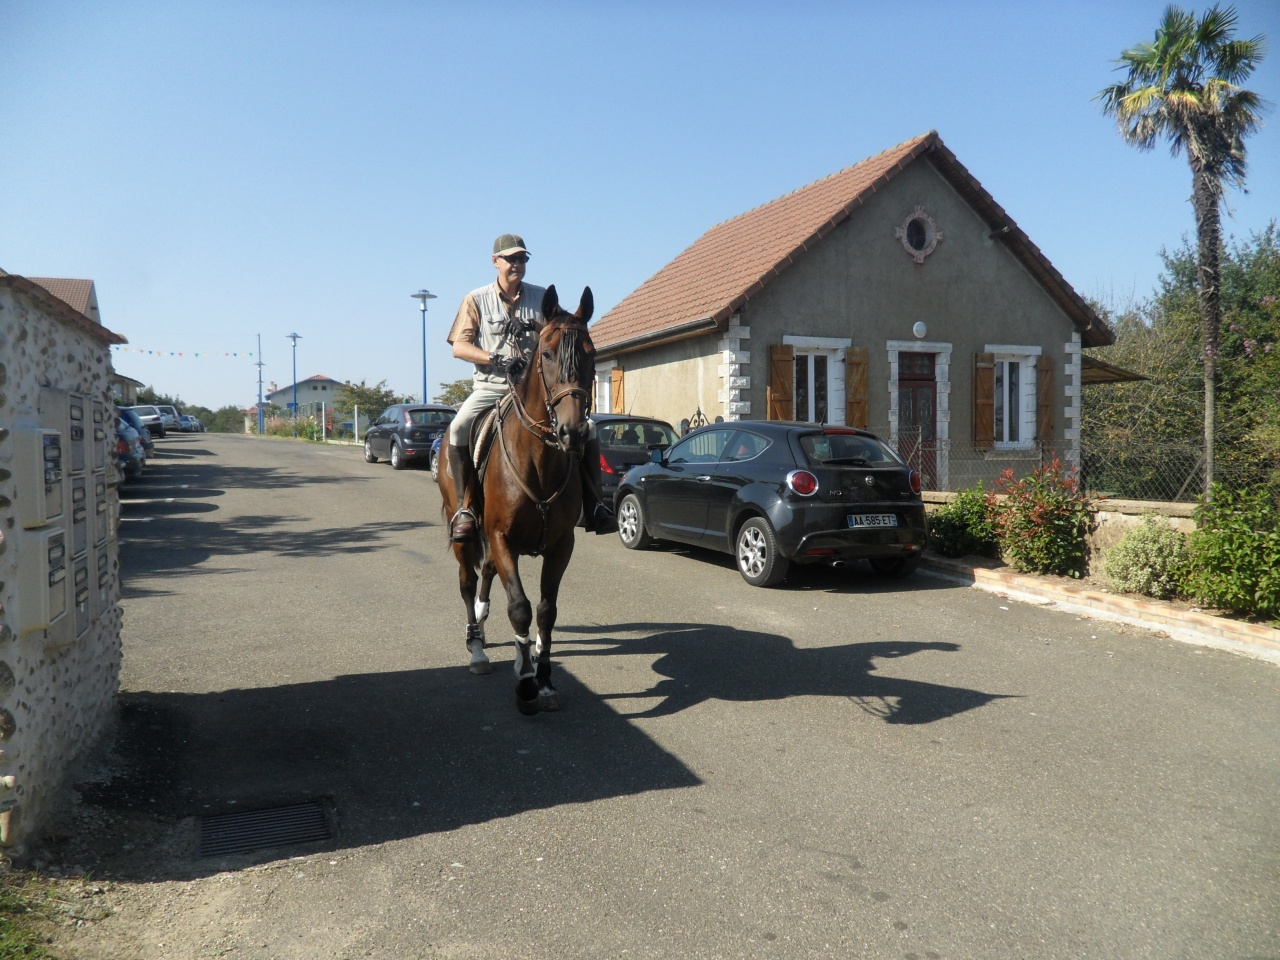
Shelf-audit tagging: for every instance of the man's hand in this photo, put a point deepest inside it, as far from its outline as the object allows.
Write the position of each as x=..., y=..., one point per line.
x=511, y=366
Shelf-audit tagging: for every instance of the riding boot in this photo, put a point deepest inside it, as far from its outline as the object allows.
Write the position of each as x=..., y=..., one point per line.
x=463, y=524
x=597, y=518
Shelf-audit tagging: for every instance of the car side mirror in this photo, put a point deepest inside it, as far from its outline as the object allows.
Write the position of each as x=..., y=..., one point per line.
x=656, y=456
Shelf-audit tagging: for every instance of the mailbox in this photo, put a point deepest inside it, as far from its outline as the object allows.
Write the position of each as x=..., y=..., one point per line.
x=81, y=594
x=102, y=591
x=76, y=431
x=79, y=515
x=100, y=425
x=101, y=510
x=39, y=476
x=42, y=585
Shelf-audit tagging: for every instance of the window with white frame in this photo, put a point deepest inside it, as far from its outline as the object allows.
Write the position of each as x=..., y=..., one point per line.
x=819, y=378
x=1015, y=395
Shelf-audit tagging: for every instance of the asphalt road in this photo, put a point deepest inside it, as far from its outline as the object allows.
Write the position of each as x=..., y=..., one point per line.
x=841, y=767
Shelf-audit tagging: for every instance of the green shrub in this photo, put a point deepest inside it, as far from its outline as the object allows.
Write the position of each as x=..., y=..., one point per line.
x=1150, y=559
x=1235, y=552
x=963, y=526
x=1041, y=520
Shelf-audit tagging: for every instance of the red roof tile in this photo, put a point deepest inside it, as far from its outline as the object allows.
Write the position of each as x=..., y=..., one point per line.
x=735, y=260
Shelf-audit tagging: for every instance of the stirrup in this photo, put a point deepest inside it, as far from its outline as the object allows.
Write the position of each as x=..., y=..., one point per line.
x=460, y=531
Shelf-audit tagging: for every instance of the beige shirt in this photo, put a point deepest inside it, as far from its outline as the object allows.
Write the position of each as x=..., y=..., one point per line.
x=482, y=320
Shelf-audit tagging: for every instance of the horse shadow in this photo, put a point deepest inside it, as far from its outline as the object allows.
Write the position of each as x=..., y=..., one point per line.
x=701, y=662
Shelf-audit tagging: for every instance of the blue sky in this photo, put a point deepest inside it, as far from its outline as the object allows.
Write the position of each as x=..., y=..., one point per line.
x=228, y=169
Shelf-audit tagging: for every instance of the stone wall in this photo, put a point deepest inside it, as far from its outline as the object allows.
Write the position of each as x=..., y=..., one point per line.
x=60, y=616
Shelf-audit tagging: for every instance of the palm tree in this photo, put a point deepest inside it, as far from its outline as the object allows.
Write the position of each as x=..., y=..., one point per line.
x=1185, y=87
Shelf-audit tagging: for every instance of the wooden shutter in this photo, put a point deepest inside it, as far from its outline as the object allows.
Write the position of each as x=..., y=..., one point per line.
x=984, y=400
x=1044, y=400
x=855, y=387
x=617, y=402
x=780, y=402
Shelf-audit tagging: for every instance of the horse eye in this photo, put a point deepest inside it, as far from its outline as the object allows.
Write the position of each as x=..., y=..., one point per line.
x=546, y=354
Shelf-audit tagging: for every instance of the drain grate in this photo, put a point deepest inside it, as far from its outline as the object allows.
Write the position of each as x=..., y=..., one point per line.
x=262, y=829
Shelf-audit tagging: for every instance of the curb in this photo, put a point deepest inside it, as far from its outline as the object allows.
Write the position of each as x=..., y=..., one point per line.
x=1187, y=626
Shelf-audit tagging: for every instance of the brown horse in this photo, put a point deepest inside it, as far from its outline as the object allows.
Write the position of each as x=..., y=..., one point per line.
x=532, y=496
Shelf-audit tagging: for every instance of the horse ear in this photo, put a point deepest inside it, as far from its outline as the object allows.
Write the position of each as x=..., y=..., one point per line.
x=550, y=302
x=586, y=306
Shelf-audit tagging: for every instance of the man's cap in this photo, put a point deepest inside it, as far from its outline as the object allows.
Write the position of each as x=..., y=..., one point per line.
x=509, y=243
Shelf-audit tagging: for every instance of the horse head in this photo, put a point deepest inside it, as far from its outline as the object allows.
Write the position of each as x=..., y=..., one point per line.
x=564, y=369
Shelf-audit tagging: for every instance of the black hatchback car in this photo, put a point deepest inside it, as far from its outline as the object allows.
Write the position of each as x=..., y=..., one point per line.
x=773, y=493
x=405, y=432
x=627, y=441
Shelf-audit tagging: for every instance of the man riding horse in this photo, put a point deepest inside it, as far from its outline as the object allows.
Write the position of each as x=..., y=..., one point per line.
x=497, y=330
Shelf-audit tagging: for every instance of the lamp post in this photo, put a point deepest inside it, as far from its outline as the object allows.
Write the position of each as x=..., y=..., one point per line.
x=295, y=338
x=422, y=296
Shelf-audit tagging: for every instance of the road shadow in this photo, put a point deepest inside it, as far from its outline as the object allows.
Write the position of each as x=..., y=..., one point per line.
x=700, y=662
x=390, y=755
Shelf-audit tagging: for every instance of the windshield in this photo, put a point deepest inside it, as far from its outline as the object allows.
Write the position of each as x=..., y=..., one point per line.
x=850, y=449
x=635, y=433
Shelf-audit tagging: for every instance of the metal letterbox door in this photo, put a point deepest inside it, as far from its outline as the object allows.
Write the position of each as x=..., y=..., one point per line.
x=99, y=435
x=76, y=428
x=57, y=575
x=79, y=515
x=39, y=474
x=80, y=588
x=101, y=513
x=102, y=592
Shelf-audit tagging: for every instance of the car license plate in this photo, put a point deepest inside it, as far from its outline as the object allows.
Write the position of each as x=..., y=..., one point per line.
x=873, y=519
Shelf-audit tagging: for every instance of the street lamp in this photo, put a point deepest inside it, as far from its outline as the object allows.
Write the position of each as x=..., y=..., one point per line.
x=422, y=296
x=295, y=338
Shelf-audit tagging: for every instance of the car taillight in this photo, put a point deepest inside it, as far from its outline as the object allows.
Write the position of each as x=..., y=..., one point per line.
x=604, y=465
x=802, y=482
x=914, y=479
x=121, y=446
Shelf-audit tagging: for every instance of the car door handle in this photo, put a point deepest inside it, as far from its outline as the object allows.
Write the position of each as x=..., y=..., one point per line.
x=704, y=478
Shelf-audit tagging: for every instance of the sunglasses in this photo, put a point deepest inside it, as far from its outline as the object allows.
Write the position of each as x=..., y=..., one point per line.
x=516, y=258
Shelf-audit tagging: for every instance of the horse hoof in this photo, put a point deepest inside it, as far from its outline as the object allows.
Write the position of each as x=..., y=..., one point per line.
x=482, y=668
x=527, y=699
x=549, y=700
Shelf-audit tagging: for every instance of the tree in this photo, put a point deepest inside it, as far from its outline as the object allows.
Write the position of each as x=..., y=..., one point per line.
x=454, y=393
x=1184, y=87
x=371, y=400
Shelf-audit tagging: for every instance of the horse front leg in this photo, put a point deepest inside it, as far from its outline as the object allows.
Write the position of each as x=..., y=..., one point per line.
x=468, y=562
x=480, y=608
x=553, y=568
x=520, y=613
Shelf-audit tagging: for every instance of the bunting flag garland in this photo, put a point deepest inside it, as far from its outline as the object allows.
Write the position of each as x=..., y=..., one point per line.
x=185, y=354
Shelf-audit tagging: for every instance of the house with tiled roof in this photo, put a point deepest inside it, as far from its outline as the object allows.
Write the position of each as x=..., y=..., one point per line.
x=311, y=392
x=896, y=295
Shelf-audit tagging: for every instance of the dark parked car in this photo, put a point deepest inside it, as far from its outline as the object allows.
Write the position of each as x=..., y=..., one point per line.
x=405, y=432
x=772, y=494
x=190, y=424
x=129, y=453
x=626, y=442
x=130, y=416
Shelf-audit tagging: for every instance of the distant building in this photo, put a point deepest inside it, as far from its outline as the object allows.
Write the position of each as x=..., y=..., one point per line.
x=311, y=392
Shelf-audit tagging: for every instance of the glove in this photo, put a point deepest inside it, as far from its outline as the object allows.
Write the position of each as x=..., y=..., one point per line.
x=511, y=366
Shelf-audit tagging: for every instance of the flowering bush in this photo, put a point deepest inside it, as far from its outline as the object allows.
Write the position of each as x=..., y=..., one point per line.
x=1041, y=520
x=1150, y=559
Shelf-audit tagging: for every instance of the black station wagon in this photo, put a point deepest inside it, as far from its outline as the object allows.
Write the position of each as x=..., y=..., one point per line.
x=773, y=494
x=405, y=432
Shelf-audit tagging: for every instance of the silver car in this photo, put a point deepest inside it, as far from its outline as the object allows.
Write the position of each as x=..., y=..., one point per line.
x=151, y=419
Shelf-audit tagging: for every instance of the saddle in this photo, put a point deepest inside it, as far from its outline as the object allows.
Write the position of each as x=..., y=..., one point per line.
x=484, y=430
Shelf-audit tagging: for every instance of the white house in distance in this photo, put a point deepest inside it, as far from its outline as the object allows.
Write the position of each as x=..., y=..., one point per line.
x=312, y=392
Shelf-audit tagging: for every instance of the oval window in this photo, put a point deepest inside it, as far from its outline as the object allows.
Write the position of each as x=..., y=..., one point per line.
x=917, y=234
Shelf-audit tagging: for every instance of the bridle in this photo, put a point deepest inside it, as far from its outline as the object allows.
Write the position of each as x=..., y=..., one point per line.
x=545, y=430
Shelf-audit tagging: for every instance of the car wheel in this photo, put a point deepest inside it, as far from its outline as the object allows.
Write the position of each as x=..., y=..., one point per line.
x=435, y=465
x=368, y=453
x=895, y=567
x=631, y=523
x=756, y=549
x=397, y=458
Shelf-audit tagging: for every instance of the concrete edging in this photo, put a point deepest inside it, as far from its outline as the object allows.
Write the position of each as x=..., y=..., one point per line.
x=1188, y=626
